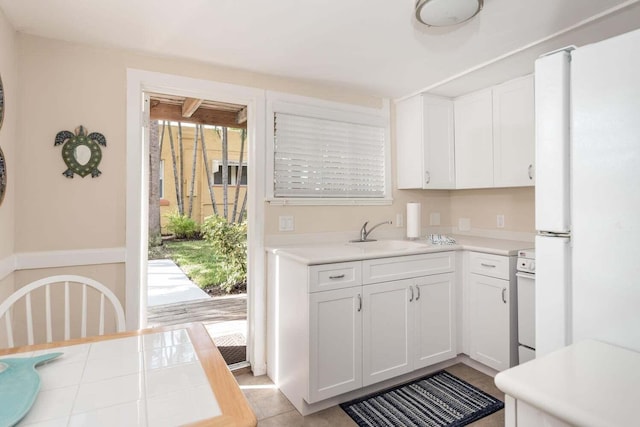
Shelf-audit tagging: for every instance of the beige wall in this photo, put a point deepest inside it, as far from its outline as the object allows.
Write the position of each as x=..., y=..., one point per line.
x=482, y=207
x=64, y=85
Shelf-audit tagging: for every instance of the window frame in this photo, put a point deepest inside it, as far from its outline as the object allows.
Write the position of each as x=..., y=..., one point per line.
x=328, y=110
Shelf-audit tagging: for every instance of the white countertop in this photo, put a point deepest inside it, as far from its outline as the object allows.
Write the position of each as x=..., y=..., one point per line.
x=587, y=384
x=325, y=253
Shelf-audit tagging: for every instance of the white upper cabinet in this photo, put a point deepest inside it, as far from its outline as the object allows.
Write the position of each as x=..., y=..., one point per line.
x=495, y=137
x=474, y=140
x=425, y=143
x=513, y=133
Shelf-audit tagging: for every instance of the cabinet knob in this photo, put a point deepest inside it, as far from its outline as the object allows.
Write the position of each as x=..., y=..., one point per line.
x=418, y=289
x=411, y=299
x=427, y=177
x=339, y=276
x=530, y=171
x=504, y=299
x=359, y=302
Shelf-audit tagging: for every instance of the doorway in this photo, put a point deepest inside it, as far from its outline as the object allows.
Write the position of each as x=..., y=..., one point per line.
x=141, y=82
x=197, y=218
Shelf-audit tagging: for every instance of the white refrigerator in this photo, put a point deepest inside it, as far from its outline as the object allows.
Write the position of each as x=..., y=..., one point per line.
x=587, y=194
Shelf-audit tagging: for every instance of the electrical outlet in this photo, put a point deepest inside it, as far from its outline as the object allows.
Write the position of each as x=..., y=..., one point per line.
x=399, y=220
x=500, y=221
x=286, y=223
x=434, y=218
x=464, y=224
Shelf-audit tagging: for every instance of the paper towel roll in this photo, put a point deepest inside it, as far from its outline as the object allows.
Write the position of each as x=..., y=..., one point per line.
x=413, y=221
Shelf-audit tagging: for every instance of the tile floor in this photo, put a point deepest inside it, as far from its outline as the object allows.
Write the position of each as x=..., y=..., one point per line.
x=273, y=409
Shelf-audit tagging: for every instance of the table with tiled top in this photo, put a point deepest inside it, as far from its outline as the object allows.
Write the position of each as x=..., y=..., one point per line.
x=155, y=377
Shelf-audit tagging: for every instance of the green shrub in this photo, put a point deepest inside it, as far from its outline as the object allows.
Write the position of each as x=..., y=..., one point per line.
x=182, y=226
x=230, y=242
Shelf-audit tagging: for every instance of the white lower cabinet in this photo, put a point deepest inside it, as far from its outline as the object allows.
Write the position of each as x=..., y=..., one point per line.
x=397, y=317
x=335, y=341
x=408, y=324
x=434, y=319
x=387, y=330
x=493, y=315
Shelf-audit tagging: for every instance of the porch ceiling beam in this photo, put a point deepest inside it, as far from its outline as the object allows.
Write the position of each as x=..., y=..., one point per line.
x=203, y=116
x=189, y=106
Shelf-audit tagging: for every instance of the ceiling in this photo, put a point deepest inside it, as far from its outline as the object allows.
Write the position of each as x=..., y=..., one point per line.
x=374, y=46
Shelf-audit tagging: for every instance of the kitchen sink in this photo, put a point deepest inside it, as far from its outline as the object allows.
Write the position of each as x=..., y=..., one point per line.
x=387, y=245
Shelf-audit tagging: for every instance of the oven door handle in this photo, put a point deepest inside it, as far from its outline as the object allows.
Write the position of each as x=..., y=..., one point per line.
x=526, y=275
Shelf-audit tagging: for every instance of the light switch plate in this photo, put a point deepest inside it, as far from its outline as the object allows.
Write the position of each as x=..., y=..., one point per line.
x=464, y=224
x=500, y=221
x=286, y=223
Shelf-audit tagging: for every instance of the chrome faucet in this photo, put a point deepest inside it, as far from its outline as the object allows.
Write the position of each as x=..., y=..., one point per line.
x=364, y=233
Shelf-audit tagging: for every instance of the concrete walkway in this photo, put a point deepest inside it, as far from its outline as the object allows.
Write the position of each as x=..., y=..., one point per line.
x=167, y=284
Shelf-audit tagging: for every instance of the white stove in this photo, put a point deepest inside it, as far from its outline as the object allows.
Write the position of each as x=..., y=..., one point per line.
x=526, y=269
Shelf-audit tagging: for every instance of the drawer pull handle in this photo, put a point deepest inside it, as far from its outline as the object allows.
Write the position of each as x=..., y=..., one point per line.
x=339, y=276
x=359, y=302
x=487, y=265
x=504, y=300
x=411, y=287
x=418, y=289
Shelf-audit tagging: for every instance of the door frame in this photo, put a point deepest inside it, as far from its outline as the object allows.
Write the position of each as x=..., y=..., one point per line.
x=137, y=194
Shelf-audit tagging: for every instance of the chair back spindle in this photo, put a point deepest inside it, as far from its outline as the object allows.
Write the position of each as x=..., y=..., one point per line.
x=69, y=281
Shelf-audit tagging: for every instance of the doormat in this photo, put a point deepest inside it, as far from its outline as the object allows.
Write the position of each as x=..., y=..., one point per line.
x=232, y=347
x=439, y=399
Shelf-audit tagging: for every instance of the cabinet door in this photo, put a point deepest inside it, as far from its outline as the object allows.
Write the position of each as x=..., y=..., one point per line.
x=513, y=133
x=335, y=342
x=438, y=149
x=435, y=337
x=425, y=143
x=490, y=328
x=474, y=140
x=409, y=167
x=387, y=330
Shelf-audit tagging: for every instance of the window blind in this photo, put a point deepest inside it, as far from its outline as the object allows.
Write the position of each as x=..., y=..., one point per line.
x=321, y=158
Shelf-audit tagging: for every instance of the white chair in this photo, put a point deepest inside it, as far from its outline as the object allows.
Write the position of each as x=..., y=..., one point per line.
x=68, y=281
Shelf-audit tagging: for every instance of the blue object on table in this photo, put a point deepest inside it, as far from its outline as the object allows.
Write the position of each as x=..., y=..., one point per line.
x=19, y=386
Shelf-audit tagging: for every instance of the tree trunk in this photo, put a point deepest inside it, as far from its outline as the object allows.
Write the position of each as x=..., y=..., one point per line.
x=155, y=238
x=244, y=206
x=175, y=173
x=205, y=159
x=238, y=178
x=181, y=148
x=193, y=170
x=225, y=173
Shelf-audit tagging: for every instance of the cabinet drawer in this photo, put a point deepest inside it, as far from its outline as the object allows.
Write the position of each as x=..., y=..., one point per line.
x=489, y=265
x=325, y=277
x=406, y=267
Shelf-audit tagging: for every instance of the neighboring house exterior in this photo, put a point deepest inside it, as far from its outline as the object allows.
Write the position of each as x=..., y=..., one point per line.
x=202, y=206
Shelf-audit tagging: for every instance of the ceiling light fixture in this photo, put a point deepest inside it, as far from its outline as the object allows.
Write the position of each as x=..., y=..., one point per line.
x=442, y=13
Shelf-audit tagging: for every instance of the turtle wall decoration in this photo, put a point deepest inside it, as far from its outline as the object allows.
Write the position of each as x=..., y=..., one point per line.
x=81, y=152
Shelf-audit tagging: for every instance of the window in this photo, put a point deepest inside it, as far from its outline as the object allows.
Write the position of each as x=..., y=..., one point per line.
x=161, y=177
x=232, y=173
x=327, y=156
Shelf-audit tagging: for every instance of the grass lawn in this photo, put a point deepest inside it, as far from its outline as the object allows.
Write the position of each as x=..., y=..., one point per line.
x=196, y=258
